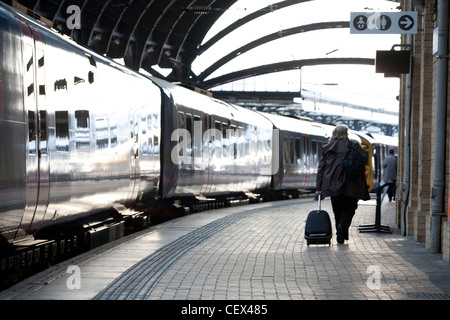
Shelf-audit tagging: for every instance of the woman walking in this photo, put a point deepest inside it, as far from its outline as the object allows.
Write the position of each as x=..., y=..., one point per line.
x=332, y=181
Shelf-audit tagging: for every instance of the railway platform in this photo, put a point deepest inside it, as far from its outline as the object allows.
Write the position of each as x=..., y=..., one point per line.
x=248, y=252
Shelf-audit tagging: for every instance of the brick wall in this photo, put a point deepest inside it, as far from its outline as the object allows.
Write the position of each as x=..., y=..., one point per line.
x=423, y=136
x=446, y=242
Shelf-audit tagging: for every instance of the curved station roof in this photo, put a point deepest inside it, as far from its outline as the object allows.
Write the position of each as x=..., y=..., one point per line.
x=211, y=43
x=171, y=33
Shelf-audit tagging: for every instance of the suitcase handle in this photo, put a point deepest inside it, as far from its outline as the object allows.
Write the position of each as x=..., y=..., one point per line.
x=318, y=205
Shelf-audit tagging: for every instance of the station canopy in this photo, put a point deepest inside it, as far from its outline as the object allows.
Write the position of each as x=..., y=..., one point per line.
x=240, y=45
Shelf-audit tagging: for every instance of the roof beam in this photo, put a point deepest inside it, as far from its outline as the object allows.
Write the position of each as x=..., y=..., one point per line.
x=239, y=23
x=271, y=37
x=280, y=66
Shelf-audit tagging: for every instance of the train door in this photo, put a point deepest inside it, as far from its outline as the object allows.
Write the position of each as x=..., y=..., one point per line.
x=134, y=159
x=306, y=159
x=37, y=149
x=207, y=154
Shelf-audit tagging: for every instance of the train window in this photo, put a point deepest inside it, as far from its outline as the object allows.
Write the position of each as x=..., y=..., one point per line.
x=136, y=129
x=60, y=84
x=225, y=139
x=40, y=72
x=43, y=131
x=90, y=77
x=101, y=132
x=149, y=122
x=306, y=155
x=189, y=123
x=181, y=125
x=113, y=130
x=233, y=141
x=144, y=148
x=29, y=72
x=224, y=130
x=150, y=145
x=314, y=151
x=144, y=124
x=217, y=141
x=180, y=120
x=291, y=150
x=207, y=122
x=286, y=149
x=245, y=142
x=198, y=125
x=155, y=120
x=30, y=89
x=31, y=132
x=190, y=132
x=298, y=151
x=82, y=119
x=197, y=145
x=131, y=120
x=321, y=144
x=240, y=141
x=376, y=162
x=62, y=131
x=155, y=145
x=82, y=131
x=30, y=62
x=217, y=126
x=91, y=60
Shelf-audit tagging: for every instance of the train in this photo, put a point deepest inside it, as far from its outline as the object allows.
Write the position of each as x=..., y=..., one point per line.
x=377, y=149
x=85, y=140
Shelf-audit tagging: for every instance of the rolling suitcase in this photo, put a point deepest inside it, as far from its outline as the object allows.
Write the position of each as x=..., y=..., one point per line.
x=318, y=227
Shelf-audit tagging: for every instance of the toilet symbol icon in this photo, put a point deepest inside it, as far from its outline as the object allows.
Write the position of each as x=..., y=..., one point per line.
x=360, y=22
x=383, y=23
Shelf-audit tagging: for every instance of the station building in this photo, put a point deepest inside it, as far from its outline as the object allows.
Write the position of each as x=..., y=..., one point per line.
x=424, y=136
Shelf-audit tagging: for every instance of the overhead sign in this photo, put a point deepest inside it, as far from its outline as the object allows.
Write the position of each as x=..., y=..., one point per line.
x=383, y=22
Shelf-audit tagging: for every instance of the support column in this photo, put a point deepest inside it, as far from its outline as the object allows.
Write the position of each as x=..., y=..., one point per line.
x=425, y=125
x=439, y=182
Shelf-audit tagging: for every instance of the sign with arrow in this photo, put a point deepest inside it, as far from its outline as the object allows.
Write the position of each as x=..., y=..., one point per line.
x=404, y=22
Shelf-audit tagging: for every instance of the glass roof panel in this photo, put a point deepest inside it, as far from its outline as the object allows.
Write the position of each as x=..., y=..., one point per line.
x=296, y=15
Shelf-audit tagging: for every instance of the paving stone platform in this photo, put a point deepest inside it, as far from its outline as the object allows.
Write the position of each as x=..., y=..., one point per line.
x=249, y=252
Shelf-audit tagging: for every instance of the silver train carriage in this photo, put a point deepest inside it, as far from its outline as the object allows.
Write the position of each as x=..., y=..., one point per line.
x=78, y=133
x=212, y=149
x=82, y=138
x=300, y=148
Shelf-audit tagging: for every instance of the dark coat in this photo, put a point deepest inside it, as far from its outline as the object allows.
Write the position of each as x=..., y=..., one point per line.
x=390, y=168
x=331, y=177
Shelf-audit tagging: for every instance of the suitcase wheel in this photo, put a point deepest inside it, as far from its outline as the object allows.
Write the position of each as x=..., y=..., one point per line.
x=318, y=242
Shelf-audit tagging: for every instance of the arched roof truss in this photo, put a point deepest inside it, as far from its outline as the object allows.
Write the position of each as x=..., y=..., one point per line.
x=268, y=38
x=281, y=66
x=171, y=33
